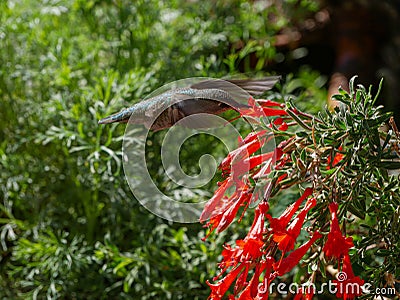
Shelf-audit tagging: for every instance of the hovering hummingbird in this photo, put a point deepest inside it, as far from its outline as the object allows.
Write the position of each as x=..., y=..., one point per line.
x=208, y=96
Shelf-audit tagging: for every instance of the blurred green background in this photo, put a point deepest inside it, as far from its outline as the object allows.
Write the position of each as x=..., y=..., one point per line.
x=69, y=225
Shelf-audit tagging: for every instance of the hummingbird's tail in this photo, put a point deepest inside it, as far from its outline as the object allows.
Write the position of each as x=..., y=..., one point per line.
x=121, y=117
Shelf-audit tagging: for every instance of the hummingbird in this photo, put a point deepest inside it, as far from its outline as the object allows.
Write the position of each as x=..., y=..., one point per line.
x=209, y=96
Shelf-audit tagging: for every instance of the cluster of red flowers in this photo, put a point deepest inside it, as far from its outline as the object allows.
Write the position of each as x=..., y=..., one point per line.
x=269, y=249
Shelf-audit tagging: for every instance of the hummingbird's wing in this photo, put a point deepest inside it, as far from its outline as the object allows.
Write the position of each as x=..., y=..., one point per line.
x=254, y=87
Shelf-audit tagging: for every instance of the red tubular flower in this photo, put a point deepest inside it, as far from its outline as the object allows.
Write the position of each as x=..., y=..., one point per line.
x=267, y=103
x=348, y=286
x=222, y=210
x=257, y=160
x=252, y=136
x=263, y=110
x=228, y=257
x=241, y=282
x=241, y=167
x=263, y=287
x=230, y=213
x=338, y=158
x=254, y=109
x=336, y=245
x=287, y=238
x=269, y=112
x=220, y=288
x=257, y=228
x=240, y=154
x=255, y=289
x=305, y=293
x=251, y=290
x=280, y=223
x=280, y=158
x=266, y=169
x=283, y=127
x=247, y=251
x=216, y=201
x=250, y=248
x=288, y=263
x=212, y=224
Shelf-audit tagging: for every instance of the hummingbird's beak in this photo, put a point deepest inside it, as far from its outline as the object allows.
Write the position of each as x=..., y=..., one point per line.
x=121, y=117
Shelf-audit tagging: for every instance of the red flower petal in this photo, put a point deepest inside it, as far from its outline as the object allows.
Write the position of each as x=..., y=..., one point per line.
x=220, y=288
x=255, y=289
x=257, y=160
x=252, y=136
x=287, y=238
x=266, y=103
x=278, y=121
x=262, y=109
x=240, y=154
x=270, y=112
x=266, y=169
x=280, y=223
x=337, y=159
x=251, y=248
x=305, y=293
x=351, y=286
x=283, y=127
x=257, y=228
x=336, y=245
x=241, y=282
x=231, y=212
x=216, y=201
x=288, y=263
x=263, y=287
